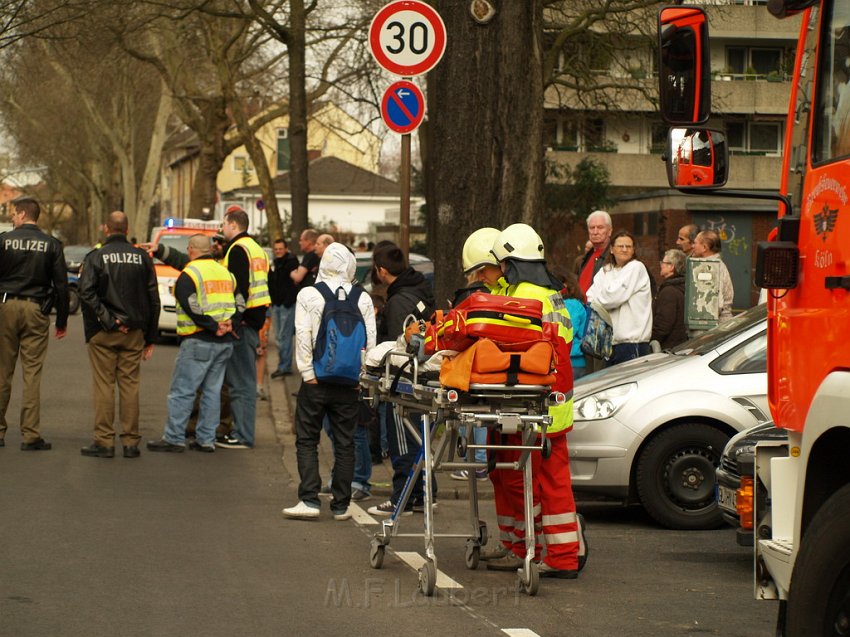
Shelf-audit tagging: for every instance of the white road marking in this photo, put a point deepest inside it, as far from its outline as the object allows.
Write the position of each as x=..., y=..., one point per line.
x=519, y=632
x=360, y=516
x=415, y=560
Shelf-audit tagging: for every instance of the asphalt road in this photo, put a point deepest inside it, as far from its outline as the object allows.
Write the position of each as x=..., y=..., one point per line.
x=194, y=544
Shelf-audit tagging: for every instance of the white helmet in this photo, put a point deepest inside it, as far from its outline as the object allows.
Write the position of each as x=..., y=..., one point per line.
x=518, y=241
x=477, y=249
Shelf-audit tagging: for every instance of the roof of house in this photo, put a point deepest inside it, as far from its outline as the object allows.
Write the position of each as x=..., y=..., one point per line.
x=333, y=176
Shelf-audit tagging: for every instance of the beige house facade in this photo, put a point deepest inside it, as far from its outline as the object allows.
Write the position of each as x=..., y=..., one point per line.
x=331, y=132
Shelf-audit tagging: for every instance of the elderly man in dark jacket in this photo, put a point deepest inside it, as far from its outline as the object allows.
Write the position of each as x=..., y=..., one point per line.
x=668, y=307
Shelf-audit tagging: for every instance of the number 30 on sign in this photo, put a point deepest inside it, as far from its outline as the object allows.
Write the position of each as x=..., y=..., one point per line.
x=407, y=37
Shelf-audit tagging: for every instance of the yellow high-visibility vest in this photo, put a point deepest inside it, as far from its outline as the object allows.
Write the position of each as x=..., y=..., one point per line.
x=554, y=311
x=258, y=272
x=215, y=287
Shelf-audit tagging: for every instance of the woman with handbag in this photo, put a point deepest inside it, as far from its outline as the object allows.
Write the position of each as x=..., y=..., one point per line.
x=623, y=287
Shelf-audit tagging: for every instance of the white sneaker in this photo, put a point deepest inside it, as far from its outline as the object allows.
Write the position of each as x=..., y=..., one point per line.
x=344, y=515
x=301, y=511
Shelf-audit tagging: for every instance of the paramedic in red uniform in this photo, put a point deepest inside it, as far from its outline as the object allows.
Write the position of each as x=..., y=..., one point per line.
x=519, y=250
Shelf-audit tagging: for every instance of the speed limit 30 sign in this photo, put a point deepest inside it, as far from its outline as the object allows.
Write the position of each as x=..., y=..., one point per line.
x=407, y=37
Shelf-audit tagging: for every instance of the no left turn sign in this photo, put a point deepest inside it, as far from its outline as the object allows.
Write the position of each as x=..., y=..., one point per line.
x=407, y=37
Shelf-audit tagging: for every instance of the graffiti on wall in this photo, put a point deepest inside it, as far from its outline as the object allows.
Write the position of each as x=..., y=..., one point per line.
x=726, y=232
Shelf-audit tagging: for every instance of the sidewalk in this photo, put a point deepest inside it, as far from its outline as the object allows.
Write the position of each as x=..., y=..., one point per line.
x=281, y=399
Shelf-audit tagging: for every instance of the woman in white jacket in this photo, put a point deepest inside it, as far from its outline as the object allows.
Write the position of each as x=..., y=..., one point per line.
x=623, y=288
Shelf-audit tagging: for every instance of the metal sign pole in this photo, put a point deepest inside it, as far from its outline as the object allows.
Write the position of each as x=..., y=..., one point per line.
x=404, y=217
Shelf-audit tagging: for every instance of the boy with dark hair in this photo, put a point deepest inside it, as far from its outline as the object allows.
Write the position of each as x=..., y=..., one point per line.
x=408, y=293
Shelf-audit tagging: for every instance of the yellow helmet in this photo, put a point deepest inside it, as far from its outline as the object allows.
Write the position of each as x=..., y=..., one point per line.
x=477, y=249
x=518, y=241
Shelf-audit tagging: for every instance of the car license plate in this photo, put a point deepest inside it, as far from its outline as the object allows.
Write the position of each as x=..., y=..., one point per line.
x=726, y=498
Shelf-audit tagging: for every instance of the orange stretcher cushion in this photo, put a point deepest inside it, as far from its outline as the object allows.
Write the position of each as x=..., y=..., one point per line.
x=486, y=362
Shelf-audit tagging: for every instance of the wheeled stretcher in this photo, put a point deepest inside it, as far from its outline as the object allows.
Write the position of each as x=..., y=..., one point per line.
x=502, y=409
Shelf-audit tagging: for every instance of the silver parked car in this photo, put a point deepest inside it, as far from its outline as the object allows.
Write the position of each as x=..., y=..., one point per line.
x=652, y=430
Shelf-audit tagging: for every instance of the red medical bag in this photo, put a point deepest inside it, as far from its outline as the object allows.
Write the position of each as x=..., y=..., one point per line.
x=502, y=319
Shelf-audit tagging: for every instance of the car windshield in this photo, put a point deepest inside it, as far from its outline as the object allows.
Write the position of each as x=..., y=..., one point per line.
x=179, y=242
x=75, y=254
x=712, y=338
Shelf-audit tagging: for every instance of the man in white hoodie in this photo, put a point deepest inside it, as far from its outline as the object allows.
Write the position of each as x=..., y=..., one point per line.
x=318, y=398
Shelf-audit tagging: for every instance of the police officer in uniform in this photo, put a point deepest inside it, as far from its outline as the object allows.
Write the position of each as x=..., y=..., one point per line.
x=120, y=300
x=247, y=261
x=32, y=277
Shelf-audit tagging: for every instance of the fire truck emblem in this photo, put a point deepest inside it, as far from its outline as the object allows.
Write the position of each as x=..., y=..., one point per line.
x=825, y=221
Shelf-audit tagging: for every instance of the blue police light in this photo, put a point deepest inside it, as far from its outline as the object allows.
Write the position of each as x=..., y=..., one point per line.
x=169, y=223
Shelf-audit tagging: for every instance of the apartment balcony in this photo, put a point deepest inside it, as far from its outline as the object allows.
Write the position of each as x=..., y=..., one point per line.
x=647, y=171
x=750, y=23
x=750, y=97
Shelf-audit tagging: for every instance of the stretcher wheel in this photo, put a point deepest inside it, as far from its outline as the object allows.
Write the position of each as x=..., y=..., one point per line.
x=529, y=582
x=376, y=554
x=428, y=579
x=482, y=533
x=473, y=554
x=462, y=446
x=547, y=448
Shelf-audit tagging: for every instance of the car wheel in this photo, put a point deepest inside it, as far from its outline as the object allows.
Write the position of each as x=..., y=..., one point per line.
x=73, y=300
x=675, y=476
x=819, y=601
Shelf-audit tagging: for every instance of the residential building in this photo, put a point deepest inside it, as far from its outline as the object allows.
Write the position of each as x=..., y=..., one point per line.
x=354, y=200
x=330, y=132
x=752, y=55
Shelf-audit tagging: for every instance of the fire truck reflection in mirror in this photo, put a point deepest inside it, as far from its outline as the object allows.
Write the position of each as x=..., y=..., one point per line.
x=697, y=158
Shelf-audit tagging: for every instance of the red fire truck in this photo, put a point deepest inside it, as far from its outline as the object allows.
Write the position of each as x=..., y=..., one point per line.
x=802, y=487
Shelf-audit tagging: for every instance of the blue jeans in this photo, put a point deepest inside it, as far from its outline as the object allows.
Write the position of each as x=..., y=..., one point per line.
x=199, y=365
x=479, y=437
x=362, y=461
x=403, y=450
x=283, y=319
x=241, y=377
x=627, y=351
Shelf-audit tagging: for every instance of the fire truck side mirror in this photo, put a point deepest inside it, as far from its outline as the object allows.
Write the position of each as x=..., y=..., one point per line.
x=696, y=158
x=684, y=65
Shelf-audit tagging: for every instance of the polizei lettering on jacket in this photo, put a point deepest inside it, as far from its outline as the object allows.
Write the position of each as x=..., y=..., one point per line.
x=122, y=257
x=27, y=245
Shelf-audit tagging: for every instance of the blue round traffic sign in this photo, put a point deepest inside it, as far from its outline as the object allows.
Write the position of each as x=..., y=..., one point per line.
x=403, y=107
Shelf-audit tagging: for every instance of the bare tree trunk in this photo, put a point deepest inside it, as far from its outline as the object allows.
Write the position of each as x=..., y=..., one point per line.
x=255, y=150
x=298, y=170
x=147, y=186
x=99, y=180
x=484, y=148
x=213, y=152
